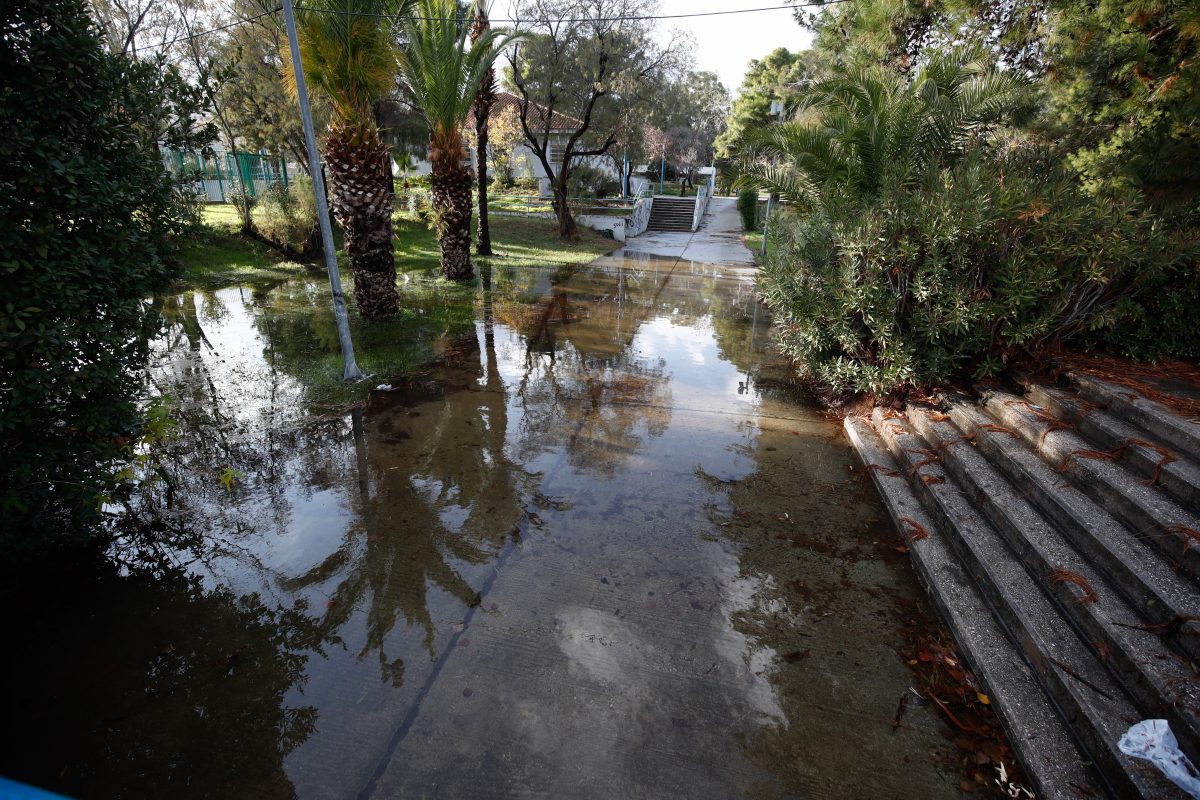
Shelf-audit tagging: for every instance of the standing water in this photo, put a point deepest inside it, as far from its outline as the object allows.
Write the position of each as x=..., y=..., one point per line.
x=603, y=548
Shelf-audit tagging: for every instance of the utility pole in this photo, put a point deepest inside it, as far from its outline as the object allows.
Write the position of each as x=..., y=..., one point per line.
x=662, y=170
x=777, y=113
x=766, y=219
x=350, y=370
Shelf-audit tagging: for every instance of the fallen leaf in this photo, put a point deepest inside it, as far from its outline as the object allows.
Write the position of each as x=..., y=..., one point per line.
x=796, y=656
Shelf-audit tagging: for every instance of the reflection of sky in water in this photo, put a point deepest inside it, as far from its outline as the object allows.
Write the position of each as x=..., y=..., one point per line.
x=602, y=446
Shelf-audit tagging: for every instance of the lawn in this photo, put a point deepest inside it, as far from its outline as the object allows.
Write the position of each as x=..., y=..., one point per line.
x=754, y=242
x=517, y=242
x=219, y=255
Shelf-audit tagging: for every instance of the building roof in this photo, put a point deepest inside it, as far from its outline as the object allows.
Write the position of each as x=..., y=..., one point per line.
x=507, y=102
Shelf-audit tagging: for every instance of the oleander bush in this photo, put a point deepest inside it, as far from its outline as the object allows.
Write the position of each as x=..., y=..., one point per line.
x=920, y=247
x=287, y=216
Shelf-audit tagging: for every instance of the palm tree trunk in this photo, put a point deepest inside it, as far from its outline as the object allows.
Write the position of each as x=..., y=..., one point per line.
x=359, y=180
x=450, y=184
x=483, y=245
x=485, y=98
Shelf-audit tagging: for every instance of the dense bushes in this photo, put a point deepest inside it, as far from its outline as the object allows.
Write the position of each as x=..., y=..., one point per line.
x=952, y=278
x=287, y=216
x=747, y=206
x=919, y=250
x=588, y=181
x=87, y=214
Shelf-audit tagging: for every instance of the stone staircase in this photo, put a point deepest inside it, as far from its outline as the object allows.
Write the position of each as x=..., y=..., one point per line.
x=1058, y=534
x=672, y=213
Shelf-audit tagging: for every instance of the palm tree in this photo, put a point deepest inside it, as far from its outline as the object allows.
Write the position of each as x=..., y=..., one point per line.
x=350, y=57
x=867, y=128
x=444, y=74
x=485, y=98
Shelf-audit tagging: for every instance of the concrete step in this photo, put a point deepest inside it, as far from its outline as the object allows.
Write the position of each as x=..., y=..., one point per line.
x=1089, y=698
x=1167, y=427
x=1157, y=464
x=1043, y=744
x=1132, y=565
x=1161, y=683
x=1144, y=509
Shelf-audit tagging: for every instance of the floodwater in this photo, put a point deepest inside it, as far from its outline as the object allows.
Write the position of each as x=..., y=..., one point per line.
x=603, y=548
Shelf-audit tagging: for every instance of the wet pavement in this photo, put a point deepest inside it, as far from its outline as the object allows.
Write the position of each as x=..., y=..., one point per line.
x=604, y=547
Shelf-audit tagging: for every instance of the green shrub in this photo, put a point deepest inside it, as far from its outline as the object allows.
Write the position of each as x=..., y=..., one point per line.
x=287, y=215
x=1158, y=314
x=87, y=220
x=588, y=181
x=747, y=206
x=954, y=277
x=526, y=184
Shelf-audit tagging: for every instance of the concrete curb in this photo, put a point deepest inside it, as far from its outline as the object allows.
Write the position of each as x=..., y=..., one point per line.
x=1158, y=681
x=1042, y=743
x=1088, y=696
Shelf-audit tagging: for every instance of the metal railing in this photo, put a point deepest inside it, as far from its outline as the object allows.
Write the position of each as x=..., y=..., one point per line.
x=219, y=176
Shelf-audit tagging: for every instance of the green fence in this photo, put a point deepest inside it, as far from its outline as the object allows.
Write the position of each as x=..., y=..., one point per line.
x=219, y=176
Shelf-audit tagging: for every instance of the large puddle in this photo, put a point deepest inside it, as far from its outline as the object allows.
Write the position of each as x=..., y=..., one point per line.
x=604, y=548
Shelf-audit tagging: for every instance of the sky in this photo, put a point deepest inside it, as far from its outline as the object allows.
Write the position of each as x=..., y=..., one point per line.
x=724, y=44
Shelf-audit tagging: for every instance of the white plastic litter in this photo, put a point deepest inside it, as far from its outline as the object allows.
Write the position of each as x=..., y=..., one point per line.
x=1152, y=740
x=384, y=387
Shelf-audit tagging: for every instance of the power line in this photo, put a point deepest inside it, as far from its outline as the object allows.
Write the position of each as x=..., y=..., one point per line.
x=217, y=29
x=623, y=18
x=514, y=21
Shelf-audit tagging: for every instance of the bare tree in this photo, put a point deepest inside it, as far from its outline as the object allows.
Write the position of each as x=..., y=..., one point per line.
x=584, y=63
x=211, y=75
x=137, y=27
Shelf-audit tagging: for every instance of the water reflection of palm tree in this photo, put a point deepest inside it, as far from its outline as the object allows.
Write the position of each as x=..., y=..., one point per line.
x=439, y=491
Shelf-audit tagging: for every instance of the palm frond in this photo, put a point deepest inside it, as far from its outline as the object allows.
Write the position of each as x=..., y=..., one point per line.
x=442, y=68
x=349, y=51
x=877, y=128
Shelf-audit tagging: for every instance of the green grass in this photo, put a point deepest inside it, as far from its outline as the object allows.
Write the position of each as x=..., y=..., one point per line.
x=218, y=256
x=222, y=215
x=517, y=242
x=754, y=242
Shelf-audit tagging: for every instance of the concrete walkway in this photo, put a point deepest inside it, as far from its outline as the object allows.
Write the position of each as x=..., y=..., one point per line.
x=718, y=241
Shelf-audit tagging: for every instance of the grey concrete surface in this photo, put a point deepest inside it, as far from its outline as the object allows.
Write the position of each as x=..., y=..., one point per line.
x=1053, y=763
x=1132, y=563
x=718, y=241
x=1160, y=464
x=1161, y=684
x=1073, y=677
x=1142, y=508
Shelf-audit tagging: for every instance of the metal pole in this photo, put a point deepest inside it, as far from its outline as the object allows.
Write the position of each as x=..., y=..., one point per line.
x=350, y=371
x=662, y=170
x=766, y=219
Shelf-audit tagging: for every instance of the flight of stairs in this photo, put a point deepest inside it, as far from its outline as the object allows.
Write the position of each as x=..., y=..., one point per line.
x=1057, y=533
x=672, y=213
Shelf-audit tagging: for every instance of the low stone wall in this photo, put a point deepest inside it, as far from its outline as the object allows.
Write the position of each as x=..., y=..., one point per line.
x=639, y=220
x=604, y=222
